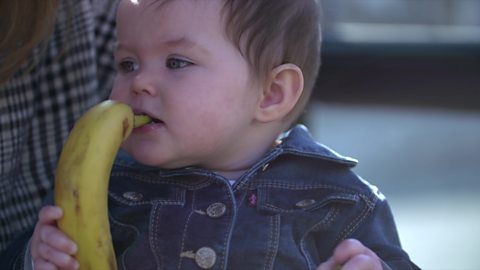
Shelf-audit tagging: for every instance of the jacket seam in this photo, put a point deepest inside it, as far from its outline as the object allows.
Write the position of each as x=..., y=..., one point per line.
x=350, y=228
x=328, y=219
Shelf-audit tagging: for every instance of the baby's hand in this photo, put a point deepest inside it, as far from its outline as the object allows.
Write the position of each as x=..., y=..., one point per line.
x=50, y=247
x=351, y=254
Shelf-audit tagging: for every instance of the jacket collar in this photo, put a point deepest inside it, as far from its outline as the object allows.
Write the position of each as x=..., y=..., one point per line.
x=299, y=141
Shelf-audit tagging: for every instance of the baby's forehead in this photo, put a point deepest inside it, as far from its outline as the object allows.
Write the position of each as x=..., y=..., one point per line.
x=159, y=5
x=147, y=3
x=152, y=3
x=142, y=8
x=131, y=10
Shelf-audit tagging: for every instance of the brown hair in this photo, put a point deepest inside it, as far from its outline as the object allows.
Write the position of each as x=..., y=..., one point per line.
x=274, y=32
x=24, y=24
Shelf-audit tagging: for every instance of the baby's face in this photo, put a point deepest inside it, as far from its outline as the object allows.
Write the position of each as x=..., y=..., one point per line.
x=176, y=64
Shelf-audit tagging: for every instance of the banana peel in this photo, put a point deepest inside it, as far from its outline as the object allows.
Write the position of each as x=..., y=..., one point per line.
x=82, y=177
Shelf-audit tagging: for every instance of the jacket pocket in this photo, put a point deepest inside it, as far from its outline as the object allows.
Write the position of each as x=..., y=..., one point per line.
x=285, y=200
x=308, y=218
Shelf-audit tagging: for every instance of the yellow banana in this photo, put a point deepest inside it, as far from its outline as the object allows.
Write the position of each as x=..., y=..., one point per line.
x=81, y=180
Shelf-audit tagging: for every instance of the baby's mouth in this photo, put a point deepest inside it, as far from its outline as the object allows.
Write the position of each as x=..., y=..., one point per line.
x=141, y=119
x=144, y=118
x=156, y=121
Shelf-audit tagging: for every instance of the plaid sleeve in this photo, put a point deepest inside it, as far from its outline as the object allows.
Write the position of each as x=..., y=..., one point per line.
x=105, y=38
x=39, y=105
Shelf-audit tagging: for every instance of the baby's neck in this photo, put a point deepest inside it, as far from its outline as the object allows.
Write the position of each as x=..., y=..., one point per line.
x=235, y=173
x=232, y=175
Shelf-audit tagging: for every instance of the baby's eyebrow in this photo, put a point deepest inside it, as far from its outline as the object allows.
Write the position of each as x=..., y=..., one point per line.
x=117, y=46
x=185, y=43
x=181, y=42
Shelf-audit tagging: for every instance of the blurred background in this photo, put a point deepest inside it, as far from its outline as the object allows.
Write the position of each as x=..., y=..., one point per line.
x=399, y=89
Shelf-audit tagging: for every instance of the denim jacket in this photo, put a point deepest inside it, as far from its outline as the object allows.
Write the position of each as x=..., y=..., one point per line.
x=288, y=211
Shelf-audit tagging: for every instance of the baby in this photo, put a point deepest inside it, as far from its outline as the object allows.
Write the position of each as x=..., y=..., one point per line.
x=222, y=178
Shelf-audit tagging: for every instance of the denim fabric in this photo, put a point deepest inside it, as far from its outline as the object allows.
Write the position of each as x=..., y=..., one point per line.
x=289, y=211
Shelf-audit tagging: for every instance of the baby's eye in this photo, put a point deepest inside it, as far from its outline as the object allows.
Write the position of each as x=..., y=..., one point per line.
x=127, y=66
x=175, y=63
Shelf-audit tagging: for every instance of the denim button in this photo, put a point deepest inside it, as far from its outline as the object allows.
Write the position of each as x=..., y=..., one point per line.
x=133, y=196
x=305, y=203
x=264, y=167
x=216, y=210
x=205, y=257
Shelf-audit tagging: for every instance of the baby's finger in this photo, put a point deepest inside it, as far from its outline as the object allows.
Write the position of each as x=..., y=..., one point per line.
x=57, y=239
x=347, y=249
x=49, y=214
x=362, y=262
x=328, y=265
x=57, y=258
x=41, y=264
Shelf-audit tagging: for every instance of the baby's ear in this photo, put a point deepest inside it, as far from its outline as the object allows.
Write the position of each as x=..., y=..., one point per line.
x=282, y=91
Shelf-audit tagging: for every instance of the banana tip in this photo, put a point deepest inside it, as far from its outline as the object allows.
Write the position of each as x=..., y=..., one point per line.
x=140, y=120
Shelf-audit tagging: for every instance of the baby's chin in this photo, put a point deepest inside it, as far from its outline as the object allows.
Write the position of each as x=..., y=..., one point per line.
x=145, y=159
x=154, y=159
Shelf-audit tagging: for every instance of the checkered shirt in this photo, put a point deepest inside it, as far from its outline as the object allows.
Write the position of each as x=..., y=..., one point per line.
x=39, y=105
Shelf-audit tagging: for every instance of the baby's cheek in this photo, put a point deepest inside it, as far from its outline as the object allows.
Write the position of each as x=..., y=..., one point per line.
x=120, y=90
x=118, y=95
